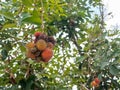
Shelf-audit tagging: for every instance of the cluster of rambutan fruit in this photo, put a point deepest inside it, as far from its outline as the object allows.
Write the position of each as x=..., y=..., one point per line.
x=95, y=82
x=41, y=49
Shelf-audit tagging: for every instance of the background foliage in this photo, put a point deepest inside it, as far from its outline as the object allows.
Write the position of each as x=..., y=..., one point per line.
x=84, y=49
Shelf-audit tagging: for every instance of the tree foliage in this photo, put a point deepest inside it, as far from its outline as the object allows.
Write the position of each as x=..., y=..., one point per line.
x=83, y=51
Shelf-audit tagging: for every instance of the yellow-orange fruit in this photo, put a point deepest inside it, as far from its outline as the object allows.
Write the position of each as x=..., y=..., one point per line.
x=30, y=55
x=50, y=45
x=47, y=54
x=41, y=44
x=30, y=45
x=94, y=84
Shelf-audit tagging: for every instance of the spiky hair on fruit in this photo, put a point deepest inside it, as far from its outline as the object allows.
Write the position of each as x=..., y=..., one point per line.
x=43, y=36
x=47, y=54
x=41, y=44
x=51, y=39
x=42, y=47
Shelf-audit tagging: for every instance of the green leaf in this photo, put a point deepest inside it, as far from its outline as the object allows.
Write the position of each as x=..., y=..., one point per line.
x=81, y=58
x=4, y=54
x=30, y=61
x=117, y=39
x=114, y=70
x=14, y=1
x=103, y=64
x=27, y=3
x=35, y=13
x=29, y=82
x=8, y=46
x=32, y=20
x=25, y=15
x=8, y=15
x=118, y=61
x=22, y=47
x=22, y=82
x=15, y=87
x=8, y=25
x=100, y=76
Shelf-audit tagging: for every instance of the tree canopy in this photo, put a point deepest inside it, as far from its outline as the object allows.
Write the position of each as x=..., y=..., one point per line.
x=85, y=54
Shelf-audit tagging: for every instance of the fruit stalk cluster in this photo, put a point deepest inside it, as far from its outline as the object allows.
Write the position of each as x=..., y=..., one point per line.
x=95, y=82
x=41, y=49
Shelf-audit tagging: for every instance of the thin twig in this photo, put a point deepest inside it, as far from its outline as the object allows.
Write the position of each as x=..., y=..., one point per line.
x=101, y=9
x=76, y=44
x=83, y=86
x=42, y=16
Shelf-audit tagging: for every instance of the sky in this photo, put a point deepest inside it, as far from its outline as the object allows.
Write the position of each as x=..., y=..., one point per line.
x=114, y=7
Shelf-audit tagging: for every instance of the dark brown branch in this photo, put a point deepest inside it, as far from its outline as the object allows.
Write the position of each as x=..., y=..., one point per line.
x=76, y=44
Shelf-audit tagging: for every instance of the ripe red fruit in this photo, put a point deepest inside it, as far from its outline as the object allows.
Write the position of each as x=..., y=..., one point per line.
x=94, y=84
x=36, y=34
x=97, y=80
x=47, y=54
